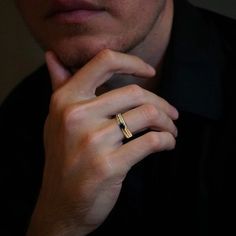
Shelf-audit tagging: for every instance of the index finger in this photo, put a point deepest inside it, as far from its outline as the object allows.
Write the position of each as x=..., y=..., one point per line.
x=102, y=67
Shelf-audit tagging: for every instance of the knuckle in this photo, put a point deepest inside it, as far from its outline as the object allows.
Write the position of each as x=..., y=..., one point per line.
x=150, y=112
x=92, y=139
x=72, y=115
x=107, y=56
x=56, y=101
x=135, y=91
x=68, y=117
x=153, y=140
x=172, y=127
x=161, y=141
x=103, y=168
x=172, y=142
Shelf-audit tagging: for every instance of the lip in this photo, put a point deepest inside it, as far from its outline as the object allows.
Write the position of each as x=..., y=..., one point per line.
x=73, y=11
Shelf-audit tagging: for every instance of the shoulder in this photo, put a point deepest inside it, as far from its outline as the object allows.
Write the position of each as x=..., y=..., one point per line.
x=30, y=95
x=23, y=112
x=225, y=26
x=34, y=84
x=22, y=116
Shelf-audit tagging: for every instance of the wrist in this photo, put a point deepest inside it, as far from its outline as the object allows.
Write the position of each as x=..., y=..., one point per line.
x=47, y=226
x=36, y=229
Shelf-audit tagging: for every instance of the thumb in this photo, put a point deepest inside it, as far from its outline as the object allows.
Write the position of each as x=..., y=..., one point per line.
x=59, y=74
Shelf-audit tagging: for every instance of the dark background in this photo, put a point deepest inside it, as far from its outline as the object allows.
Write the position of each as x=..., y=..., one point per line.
x=20, y=55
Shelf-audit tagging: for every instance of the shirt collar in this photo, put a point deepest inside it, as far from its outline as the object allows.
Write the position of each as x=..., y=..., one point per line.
x=191, y=75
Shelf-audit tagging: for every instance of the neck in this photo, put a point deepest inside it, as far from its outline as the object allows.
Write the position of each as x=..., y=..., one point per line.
x=152, y=50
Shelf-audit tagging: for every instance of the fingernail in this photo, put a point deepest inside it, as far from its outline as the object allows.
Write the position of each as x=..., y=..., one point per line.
x=151, y=69
x=175, y=113
x=176, y=133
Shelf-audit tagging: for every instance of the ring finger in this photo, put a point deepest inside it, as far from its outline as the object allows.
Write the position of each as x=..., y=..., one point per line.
x=142, y=118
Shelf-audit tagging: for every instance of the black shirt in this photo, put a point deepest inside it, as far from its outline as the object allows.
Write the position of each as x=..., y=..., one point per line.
x=187, y=191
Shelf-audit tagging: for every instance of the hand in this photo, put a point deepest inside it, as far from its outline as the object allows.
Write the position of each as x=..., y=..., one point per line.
x=86, y=160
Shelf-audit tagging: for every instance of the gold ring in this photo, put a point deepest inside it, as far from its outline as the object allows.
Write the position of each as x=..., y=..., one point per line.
x=124, y=128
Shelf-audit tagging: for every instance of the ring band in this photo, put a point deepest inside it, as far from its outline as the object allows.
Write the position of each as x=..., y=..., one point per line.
x=124, y=128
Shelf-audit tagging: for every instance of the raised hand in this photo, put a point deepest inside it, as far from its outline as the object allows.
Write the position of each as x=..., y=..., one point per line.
x=86, y=160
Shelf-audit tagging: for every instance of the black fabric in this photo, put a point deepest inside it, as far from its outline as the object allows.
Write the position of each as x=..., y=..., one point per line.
x=187, y=191
x=194, y=51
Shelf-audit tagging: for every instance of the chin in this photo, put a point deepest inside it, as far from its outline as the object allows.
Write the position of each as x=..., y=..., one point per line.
x=76, y=53
x=75, y=58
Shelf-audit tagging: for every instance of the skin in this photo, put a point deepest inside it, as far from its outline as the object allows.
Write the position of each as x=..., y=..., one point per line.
x=86, y=160
x=116, y=29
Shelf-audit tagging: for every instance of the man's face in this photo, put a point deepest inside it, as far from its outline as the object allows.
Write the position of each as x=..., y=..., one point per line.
x=77, y=30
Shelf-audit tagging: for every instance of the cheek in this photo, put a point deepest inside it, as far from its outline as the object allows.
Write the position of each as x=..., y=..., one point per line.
x=136, y=17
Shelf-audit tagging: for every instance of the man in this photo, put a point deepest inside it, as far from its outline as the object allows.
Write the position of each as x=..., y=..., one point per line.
x=112, y=163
